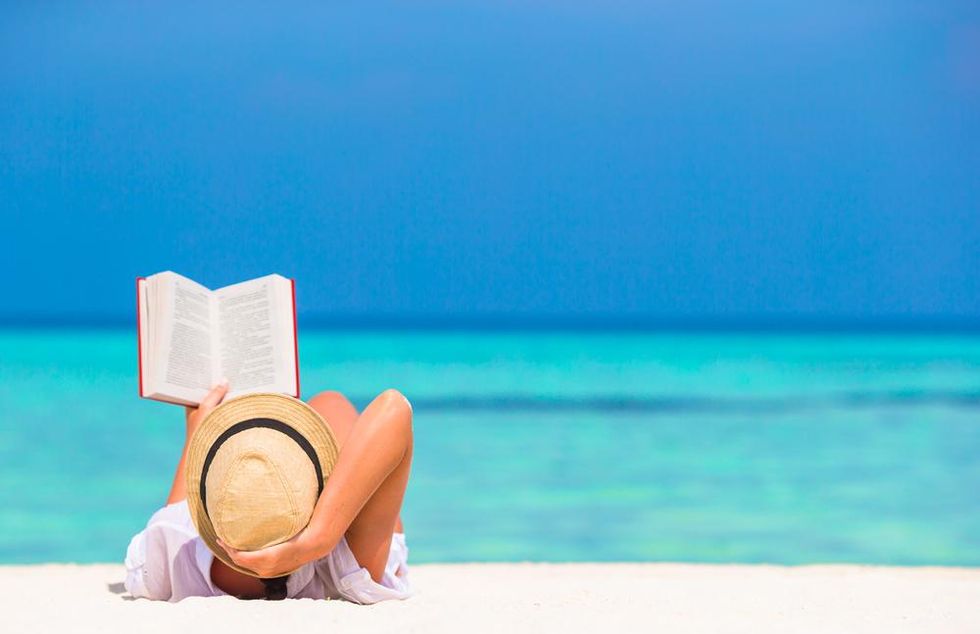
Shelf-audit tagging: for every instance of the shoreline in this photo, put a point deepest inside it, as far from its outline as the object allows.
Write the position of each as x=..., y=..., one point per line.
x=533, y=597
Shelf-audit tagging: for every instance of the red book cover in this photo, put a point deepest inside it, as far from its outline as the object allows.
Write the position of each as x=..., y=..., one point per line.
x=139, y=340
x=292, y=283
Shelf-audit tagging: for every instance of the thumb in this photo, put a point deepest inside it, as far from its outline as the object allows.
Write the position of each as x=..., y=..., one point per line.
x=215, y=396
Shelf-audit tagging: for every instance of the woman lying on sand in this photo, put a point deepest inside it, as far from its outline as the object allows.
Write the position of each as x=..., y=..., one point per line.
x=260, y=484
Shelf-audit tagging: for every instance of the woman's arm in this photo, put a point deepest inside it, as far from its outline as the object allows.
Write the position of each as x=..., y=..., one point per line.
x=362, y=496
x=194, y=416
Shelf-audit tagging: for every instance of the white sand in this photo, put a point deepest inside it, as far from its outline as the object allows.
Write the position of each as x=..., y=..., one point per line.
x=536, y=598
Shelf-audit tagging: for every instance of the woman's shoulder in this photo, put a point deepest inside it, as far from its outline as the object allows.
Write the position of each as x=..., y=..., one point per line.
x=164, y=560
x=176, y=513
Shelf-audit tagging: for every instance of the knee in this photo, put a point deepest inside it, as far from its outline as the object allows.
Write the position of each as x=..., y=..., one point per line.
x=329, y=400
x=396, y=402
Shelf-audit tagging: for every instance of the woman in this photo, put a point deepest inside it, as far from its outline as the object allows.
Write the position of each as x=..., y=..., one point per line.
x=353, y=546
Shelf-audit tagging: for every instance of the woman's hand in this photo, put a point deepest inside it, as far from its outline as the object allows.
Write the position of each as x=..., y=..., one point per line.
x=277, y=560
x=194, y=415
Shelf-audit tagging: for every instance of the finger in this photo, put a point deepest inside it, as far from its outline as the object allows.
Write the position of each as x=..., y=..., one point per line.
x=257, y=560
x=236, y=557
x=215, y=395
x=233, y=554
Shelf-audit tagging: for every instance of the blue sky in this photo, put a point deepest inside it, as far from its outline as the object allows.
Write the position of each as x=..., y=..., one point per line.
x=710, y=160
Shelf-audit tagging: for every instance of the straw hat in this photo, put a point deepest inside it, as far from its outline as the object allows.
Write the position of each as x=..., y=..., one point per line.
x=255, y=468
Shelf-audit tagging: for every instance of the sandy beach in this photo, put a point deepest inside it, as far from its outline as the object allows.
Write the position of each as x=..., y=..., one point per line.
x=531, y=598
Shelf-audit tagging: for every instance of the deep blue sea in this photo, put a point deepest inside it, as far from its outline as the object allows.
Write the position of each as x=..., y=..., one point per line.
x=564, y=446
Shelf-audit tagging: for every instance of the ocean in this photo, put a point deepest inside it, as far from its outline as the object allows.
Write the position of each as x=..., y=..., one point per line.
x=554, y=446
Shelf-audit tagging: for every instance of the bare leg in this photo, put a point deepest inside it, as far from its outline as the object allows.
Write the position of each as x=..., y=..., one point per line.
x=341, y=415
x=387, y=423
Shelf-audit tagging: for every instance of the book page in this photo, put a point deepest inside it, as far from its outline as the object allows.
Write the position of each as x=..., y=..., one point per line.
x=249, y=324
x=184, y=360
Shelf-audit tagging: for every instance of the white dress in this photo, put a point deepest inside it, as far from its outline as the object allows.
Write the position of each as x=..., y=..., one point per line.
x=168, y=561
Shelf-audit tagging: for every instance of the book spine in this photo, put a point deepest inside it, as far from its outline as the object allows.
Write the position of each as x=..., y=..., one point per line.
x=139, y=339
x=292, y=284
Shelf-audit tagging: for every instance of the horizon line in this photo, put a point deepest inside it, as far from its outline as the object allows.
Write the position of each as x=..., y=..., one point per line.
x=542, y=322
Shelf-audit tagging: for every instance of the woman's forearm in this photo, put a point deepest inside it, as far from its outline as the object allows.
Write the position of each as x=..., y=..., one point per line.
x=376, y=445
x=192, y=418
x=178, y=490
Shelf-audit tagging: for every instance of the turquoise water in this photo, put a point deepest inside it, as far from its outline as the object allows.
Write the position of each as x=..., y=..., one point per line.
x=555, y=446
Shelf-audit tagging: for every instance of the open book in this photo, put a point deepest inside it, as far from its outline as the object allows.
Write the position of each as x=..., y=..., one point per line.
x=191, y=337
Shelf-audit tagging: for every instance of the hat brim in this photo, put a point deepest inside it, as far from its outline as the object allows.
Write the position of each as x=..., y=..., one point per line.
x=293, y=412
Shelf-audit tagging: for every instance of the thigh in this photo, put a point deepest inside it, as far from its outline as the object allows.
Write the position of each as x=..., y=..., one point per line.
x=339, y=413
x=369, y=535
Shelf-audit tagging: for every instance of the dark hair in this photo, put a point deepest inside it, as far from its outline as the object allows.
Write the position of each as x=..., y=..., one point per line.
x=275, y=588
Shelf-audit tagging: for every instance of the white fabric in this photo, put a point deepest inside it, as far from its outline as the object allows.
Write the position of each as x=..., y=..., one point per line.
x=168, y=561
